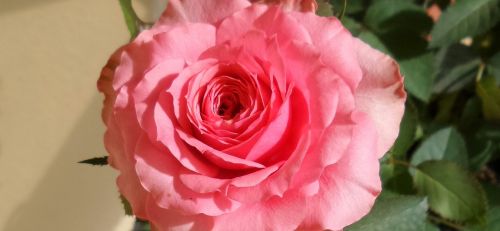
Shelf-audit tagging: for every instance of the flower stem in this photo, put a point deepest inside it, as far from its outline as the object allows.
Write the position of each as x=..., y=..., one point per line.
x=480, y=72
x=442, y=221
x=134, y=24
x=401, y=162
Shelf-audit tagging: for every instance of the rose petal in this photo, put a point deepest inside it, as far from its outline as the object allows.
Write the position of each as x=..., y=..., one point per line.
x=219, y=158
x=279, y=182
x=202, y=184
x=205, y=11
x=168, y=219
x=284, y=27
x=127, y=181
x=299, y=5
x=167, y=135
x=336, y=43
x=277, y=213
x=158, y=172
x=348, y=188
x=380, y=94
x=147, y=91
x=331, y=146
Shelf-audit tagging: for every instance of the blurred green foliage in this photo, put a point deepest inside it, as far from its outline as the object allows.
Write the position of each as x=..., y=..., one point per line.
x=441, y=173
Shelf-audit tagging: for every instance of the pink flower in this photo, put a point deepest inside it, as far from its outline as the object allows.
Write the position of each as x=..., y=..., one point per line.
x=232, y=116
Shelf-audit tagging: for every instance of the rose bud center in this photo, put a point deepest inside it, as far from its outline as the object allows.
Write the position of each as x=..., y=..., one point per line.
x=228, y=106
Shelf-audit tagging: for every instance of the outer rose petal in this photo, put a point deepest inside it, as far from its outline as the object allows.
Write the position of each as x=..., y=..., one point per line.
x=299, y=5
x=380, y=94
x=105, y=84
x=165, y=219
x=348, y=188
x=204, y=11
x=277, y=213
x=339, y=57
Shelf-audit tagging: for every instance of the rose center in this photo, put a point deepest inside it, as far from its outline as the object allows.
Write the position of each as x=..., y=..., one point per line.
x=228, y=106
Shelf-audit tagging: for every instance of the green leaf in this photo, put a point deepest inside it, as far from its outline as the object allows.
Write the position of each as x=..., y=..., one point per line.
x=96, y=161
x=430, y=227
x=493, y=222
x=373, y=41
x=402, y=213
x=401, y=181
x=451, y=191
x=489, y=94
x=419, y=75
x=324, y=8
x=364, y=34
x=126, y=206
x=457, y=67
x=483, y=156
x=494, y=66
x=386, y=15
x=352, y=25
x=445, y=107
x=445, y=144
x=131, y=19
x=406, y=137
x=353, y=6
x=471, y=115
x=464, y=18
x=492, y=193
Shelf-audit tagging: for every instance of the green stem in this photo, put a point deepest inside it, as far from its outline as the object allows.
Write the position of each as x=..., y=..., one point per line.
x=401, y=162
x=480, y=72
x=442, y=221
x=341, y=15
x=131, y=19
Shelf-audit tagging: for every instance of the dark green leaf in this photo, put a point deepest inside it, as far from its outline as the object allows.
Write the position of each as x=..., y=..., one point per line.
x=451, y=191
x=464, y=18
x=494, y=67
x=490, y=98
x=445, y=107
x=386, y=15
x=126, y=206
x=352, y=25
x=492, y=222
x=483, y=155
x=406, y=137
x=430, y=227
x=373, y=41
x=457, y=67
x=401, y=181
x=445, y=144
x=402, y=213
x=404, y=44
x=419, y=75
x=96, y=161
x=386, y=172
x=364, y=34
x=471, y=115
x=492, y=193
x=353, y=6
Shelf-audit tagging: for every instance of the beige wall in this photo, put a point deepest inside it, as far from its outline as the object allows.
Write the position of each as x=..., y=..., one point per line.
x=51, y=52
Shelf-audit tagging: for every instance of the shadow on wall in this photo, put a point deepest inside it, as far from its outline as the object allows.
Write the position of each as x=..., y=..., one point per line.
x=10, y=6
x=73, y=196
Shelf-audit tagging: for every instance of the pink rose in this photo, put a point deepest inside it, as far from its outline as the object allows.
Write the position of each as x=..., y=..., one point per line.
x=232, y=116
